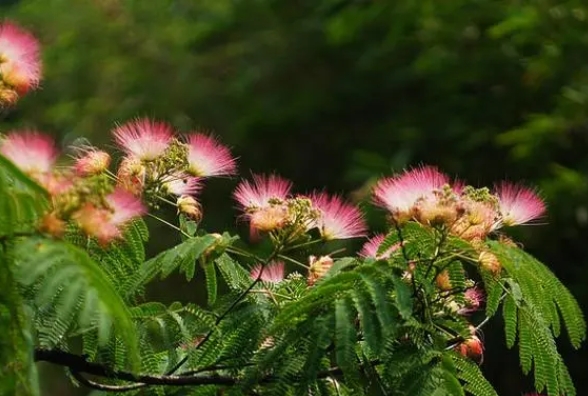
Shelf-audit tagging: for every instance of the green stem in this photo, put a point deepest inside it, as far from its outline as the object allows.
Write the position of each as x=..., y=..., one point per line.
x=293, y=261
x=169, y=224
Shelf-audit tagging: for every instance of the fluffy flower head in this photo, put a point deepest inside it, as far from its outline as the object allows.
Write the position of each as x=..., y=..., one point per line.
x=338, y=219
x=273, y=272
x=261, y=192
x=105, y=224
x=143, y=138
x=20, y=66
x=31, y=152
x=474, y=297
x=207, y=157
x=91, y=162
x=371, y=247
x=181, y=184
x=518, y=204
x=399, y=194
x=124, y=206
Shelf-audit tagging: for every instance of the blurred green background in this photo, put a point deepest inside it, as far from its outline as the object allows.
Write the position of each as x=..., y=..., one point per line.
x=333, y=94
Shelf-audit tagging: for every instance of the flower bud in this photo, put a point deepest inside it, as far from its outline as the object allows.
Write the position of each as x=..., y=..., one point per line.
x=131, y=175
x=93, y=162
x=490, y=262
x=472, y=348
x=443, y=282
x=190, y=207
x=270, y=218
x=318, y=268
x=53, y=225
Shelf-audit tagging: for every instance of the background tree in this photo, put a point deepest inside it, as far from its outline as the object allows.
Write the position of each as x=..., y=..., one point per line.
x=334, y=92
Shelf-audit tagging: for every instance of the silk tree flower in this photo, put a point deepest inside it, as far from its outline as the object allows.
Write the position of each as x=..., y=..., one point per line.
x=91, y=161
x=262, y=192
x=474, y=297
x=106, y=224
x=337, y=219
x=274, y=272
x=518, y=204
x=400, y=193
x=479, y=218
x=371, y=247
x=264, y=203
x=207, y=157
x=31, y=152
x=143, y=138
x=20, y=64
x=181, y=184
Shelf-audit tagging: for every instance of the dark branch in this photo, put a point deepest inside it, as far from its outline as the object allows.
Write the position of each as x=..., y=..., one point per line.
x=79, y=364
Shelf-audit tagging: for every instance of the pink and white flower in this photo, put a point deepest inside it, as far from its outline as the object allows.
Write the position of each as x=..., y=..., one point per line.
x=371, y=247
x=518, y=204
x=20, y=64
x=143, y=138
x=261, y=192
x=106, y=224
x=273, y=272
x=91, y=161
x=338, y=219
x=474, y=297
x=181, y=184
x=30, y=151
x=124, y=206
x=399, y=194
x=207, y=157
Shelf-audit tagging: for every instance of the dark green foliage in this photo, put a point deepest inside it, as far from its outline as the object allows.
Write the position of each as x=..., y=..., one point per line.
x=535, y=301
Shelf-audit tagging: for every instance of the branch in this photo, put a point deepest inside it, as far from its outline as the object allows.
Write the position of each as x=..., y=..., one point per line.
x=79, y=364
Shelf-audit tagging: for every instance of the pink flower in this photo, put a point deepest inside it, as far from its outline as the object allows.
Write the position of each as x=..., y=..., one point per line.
x=371, y=247
x=273, y=272
x=399, y=194
x=20, y=66
x=143, y=138
x=106, y=224
x=207, y=157
x=181, y=184
x=56, y=183
x=474, y=298
x=30, y=151
x=261, y=192
x=338, y=219
x=124, y=206
x=518, y=204
x=91, y=161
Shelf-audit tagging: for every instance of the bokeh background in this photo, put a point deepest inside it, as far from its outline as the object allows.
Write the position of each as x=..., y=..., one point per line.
x=334, y=94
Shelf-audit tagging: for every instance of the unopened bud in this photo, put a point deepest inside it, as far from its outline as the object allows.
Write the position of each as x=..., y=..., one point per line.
x=318, y=268
x=443, y=282
x=53, y=225
x=270, y=218
x=472, y=348
x=92, y=162
x=189, y=206
x=490, y=262
x=131, y=175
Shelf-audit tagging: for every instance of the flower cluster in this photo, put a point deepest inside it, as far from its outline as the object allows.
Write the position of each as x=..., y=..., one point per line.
x=269, y=207
x=100, y=203
x=20, y=65
x=429, y=197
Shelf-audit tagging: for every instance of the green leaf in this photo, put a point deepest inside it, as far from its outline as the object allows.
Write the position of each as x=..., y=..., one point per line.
x=211, y=284
x=42, y=260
